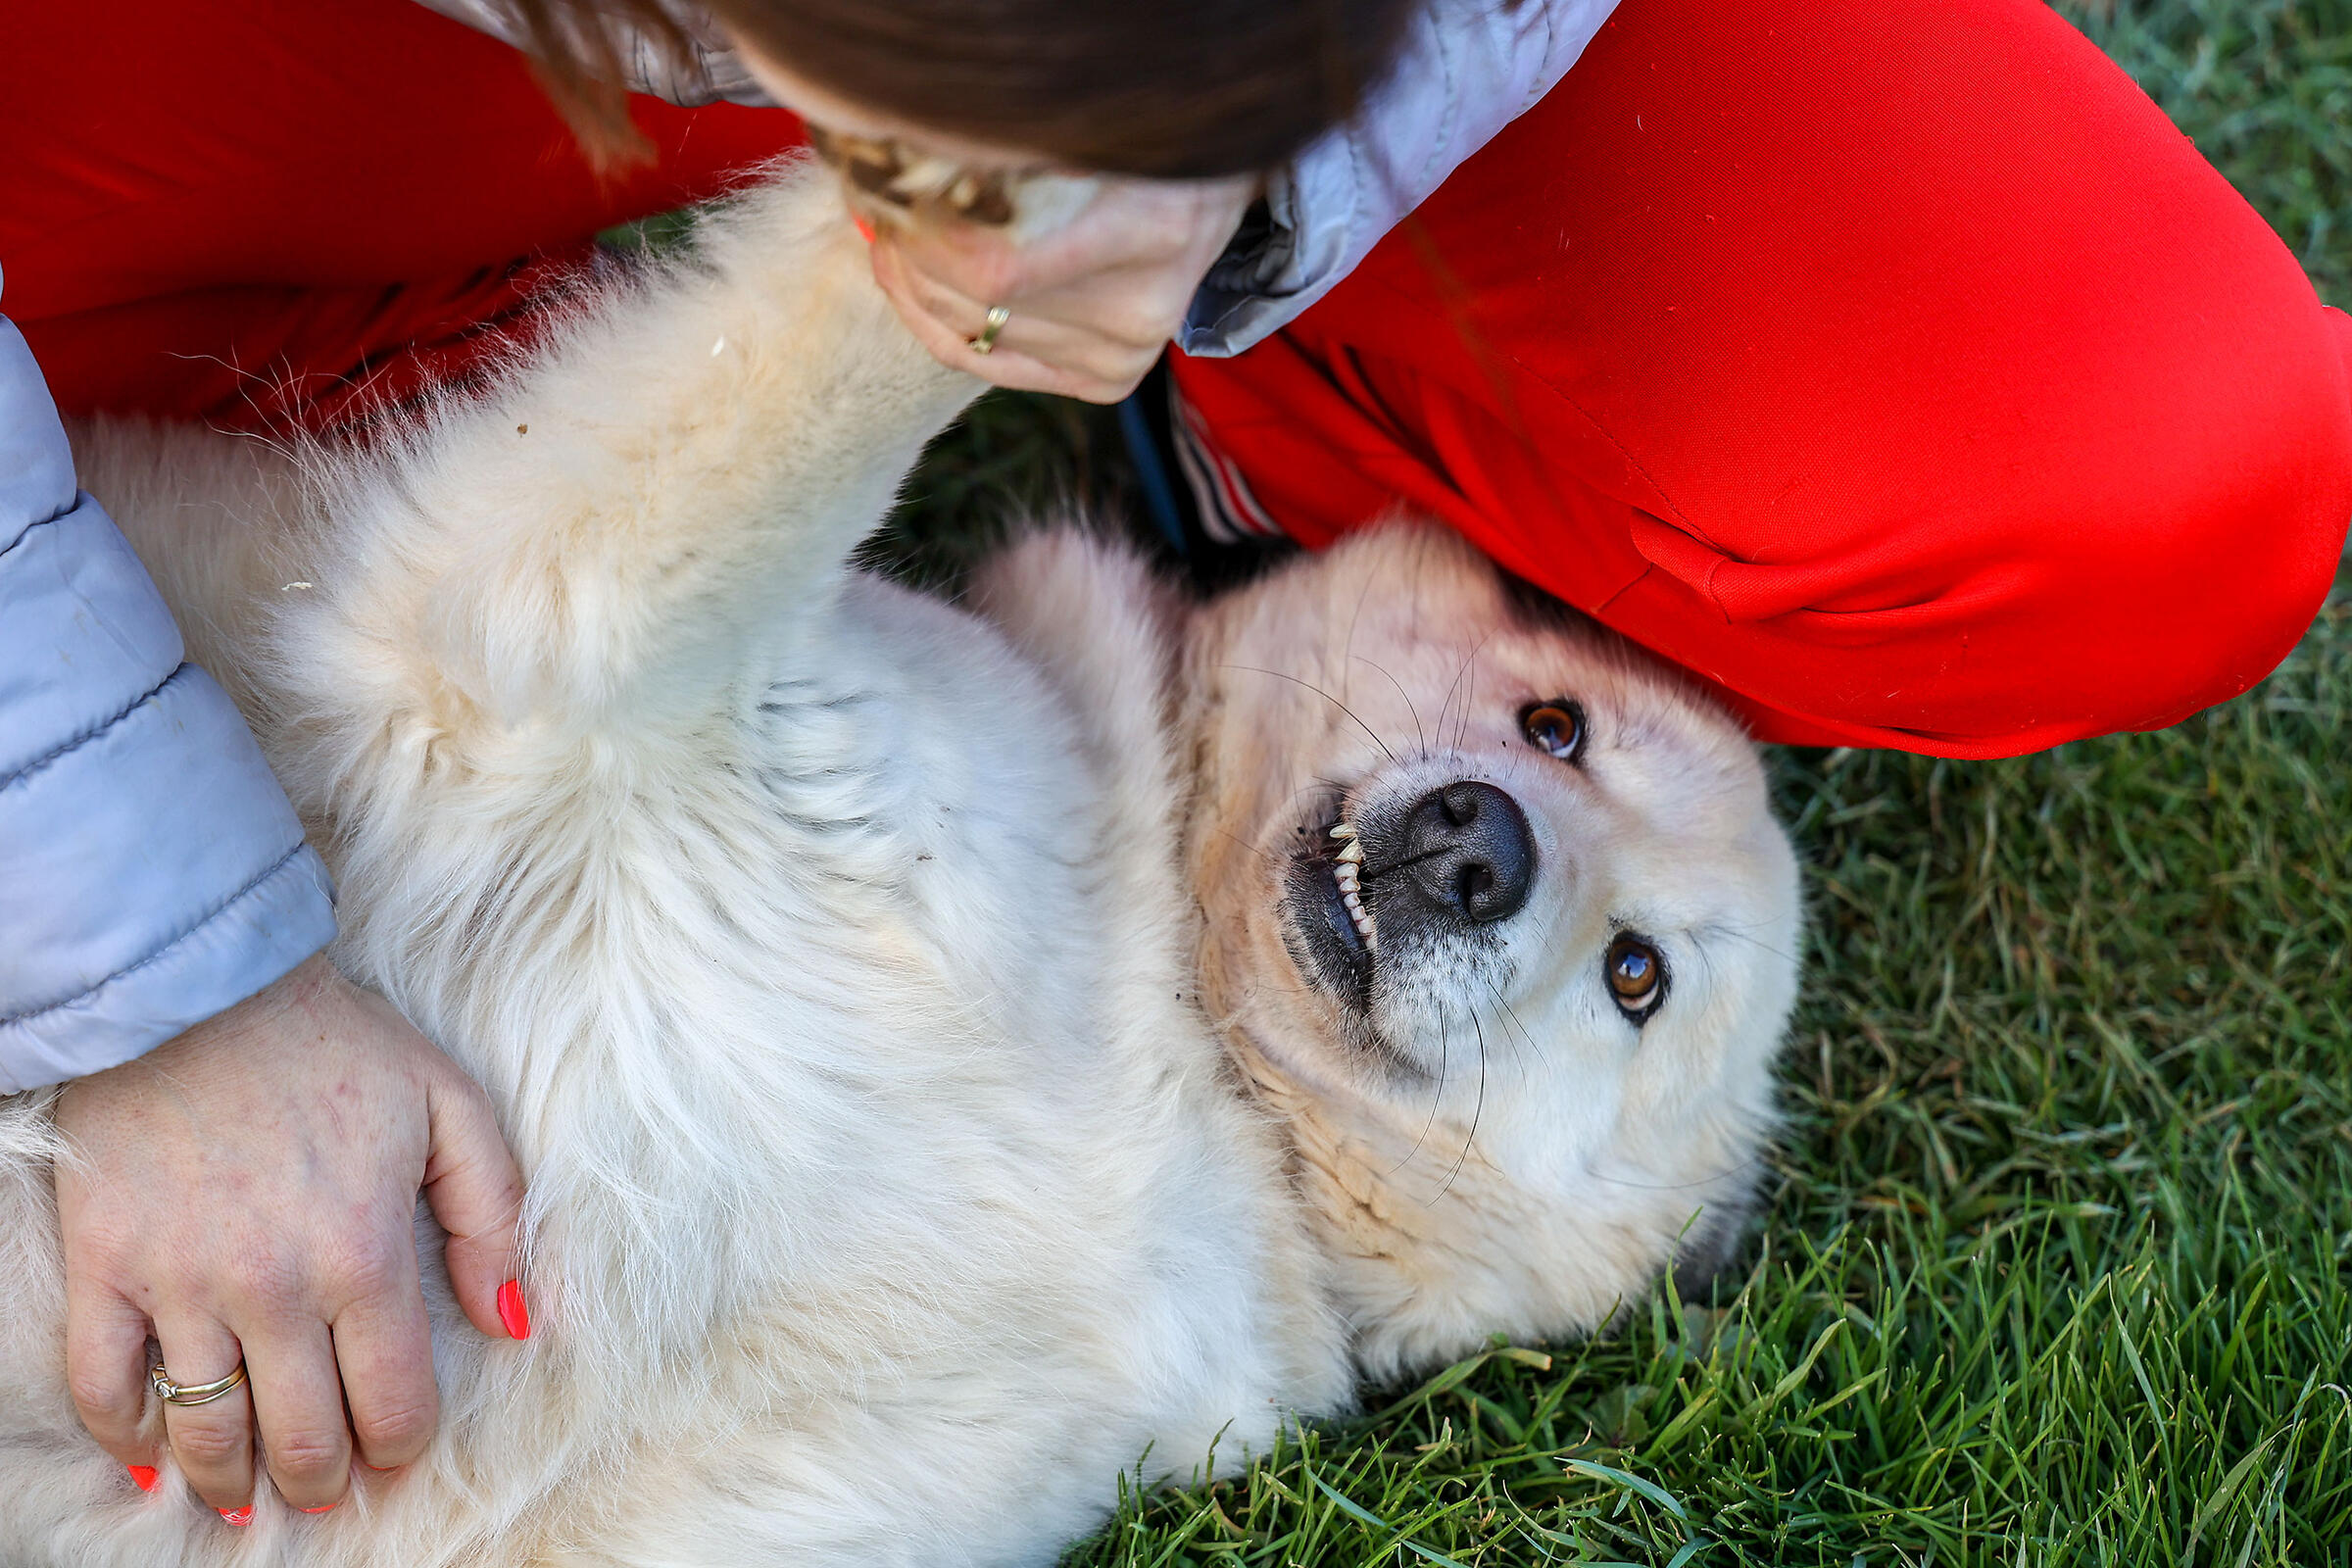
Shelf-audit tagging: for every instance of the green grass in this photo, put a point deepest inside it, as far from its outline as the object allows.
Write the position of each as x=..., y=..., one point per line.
x=2265, y=88
x=2058, y=1262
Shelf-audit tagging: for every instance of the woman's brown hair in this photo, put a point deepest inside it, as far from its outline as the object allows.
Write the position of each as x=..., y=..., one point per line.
x=1173, y=88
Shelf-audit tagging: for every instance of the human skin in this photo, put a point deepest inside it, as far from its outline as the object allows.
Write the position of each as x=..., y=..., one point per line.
x=247, y=1191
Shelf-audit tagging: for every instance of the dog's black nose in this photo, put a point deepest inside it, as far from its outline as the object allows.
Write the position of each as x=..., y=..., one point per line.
x=1466, y=850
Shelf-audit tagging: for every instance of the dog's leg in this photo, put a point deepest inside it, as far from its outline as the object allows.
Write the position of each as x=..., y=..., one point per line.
x=580, y=551
x=1099, y=624
x=517, y=704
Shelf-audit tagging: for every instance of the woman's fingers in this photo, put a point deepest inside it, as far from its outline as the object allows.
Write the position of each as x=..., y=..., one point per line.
x=106, y=1368
x=1093, y=303
x=476, y=1190
x=1010, y=365
x=252, y=1182
x=297, y=1400
x=1032, y=352
x=384, y=1351
x=211, y=1442
x=1136, y=307
x=1132, y=311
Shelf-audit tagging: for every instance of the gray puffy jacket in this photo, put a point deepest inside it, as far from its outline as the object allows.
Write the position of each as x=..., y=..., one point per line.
x=150, y=871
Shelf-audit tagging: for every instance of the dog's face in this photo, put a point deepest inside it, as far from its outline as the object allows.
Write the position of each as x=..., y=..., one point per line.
x=1499, y=921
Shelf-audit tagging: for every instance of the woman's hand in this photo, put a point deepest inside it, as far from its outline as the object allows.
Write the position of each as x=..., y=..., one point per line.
x=1091, y=303
x=248, y=1190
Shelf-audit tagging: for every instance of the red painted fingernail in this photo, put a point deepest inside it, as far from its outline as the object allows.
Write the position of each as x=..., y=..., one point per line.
x=240, y=1517
x=143, y=1476
x=865, y=229
x=511, y=1312
x=322, y=1507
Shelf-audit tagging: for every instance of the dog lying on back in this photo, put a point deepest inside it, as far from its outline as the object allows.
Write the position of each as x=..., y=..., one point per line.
x=957, y=1058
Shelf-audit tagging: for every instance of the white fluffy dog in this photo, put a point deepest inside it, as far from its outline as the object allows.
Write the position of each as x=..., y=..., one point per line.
x=955, y=1057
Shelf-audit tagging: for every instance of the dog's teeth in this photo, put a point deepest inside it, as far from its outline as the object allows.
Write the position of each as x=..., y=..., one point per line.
x=1348, y=874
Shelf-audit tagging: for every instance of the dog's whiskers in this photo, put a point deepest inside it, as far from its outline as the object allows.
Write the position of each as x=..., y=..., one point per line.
x=1468, y=659
x=1477, y=1110
x=1261, y=853
x=1513, y=1012
x=1754, y=1162
x=1435, y=1099
x=1419, y=734
x=1327, y=697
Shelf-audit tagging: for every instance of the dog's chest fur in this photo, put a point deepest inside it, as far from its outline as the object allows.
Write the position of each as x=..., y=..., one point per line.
x=888, y=1193
x=1030, y=1218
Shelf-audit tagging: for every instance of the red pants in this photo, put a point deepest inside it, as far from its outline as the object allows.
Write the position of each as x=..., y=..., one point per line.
x=1891, y=365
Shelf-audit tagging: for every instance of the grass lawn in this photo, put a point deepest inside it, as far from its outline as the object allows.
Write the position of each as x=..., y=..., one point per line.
x=2058, y=1262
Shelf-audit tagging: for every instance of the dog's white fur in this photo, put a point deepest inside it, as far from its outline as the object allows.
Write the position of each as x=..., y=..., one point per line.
x=924, y=1117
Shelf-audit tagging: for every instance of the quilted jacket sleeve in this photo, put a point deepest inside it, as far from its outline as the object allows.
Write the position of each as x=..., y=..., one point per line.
x=151, y=870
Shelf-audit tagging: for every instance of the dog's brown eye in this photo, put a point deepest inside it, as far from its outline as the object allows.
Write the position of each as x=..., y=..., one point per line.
x=1637, y=976
x=1557, y=727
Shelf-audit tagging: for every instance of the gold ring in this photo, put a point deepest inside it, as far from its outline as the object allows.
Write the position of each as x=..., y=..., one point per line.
x=171, y=1393
x=990, y=326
